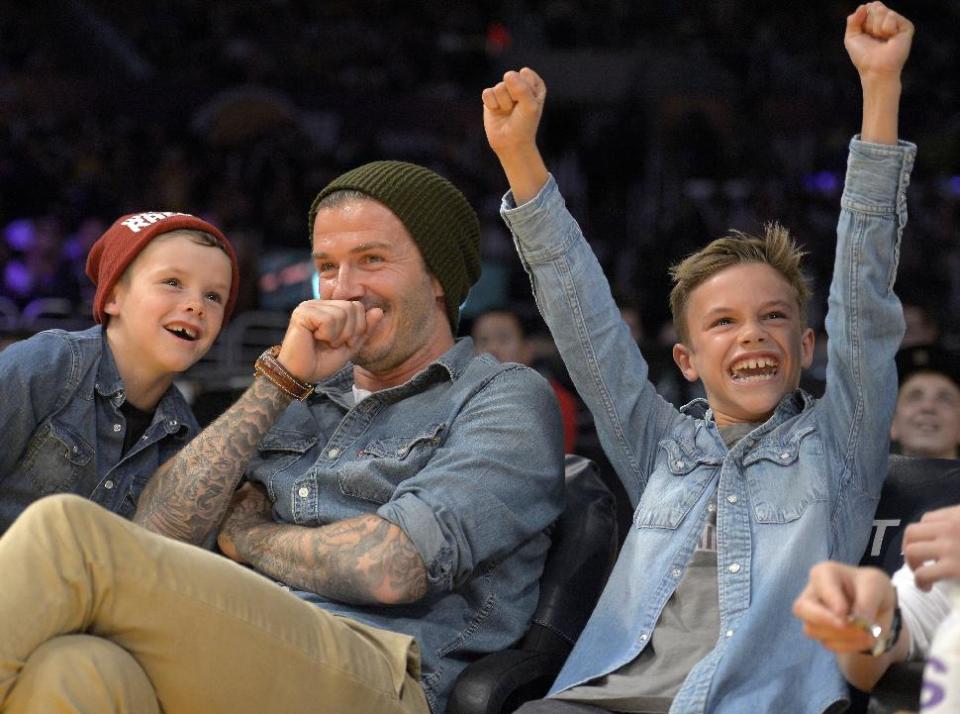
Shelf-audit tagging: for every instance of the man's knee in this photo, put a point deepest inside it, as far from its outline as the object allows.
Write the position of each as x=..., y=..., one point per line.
x=57, y=510
x=82, y=673
x=56, y=507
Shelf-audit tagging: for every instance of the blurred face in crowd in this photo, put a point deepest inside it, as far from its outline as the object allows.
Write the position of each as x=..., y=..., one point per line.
x=927, y=420
x=500, y=334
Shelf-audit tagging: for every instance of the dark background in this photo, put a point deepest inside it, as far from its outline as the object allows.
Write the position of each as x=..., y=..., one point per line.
x=666, y=123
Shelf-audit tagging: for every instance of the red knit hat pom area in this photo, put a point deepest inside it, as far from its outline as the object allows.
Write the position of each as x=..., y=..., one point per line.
x=129, y=235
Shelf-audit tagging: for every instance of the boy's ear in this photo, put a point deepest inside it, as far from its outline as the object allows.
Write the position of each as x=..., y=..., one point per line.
x=807, y=343
x=683, y=356
x=114, y=300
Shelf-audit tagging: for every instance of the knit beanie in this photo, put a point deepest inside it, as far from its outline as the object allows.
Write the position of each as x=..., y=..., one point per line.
x=434, y=212
x=129, y=235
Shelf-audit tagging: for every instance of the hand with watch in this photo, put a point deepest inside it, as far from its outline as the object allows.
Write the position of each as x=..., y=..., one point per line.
x=850, y=609
x=853, y=612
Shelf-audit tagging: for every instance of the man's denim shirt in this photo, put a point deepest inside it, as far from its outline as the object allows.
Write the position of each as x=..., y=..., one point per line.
x=467, y=458
x=63, y=429
x=799, y=489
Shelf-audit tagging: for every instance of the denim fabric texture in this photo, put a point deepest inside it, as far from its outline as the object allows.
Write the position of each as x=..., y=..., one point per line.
x=467, y=458
x=63, y=429
x=799, y=489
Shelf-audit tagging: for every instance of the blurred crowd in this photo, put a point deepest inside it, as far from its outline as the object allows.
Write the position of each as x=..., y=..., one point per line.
x=669, y=122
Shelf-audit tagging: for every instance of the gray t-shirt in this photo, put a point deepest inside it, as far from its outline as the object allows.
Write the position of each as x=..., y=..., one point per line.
x=686, y=631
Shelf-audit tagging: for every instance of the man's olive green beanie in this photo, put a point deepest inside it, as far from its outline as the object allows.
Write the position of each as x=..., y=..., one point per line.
x=435, y=213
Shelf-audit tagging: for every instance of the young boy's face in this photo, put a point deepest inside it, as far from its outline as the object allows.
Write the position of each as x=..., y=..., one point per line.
x=167, y=309
x=745, y=341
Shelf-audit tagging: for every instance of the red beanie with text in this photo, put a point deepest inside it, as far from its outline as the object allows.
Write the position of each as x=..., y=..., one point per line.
x=129, y=235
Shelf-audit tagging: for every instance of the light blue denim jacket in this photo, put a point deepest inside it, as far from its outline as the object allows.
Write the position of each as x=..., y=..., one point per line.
x=467, y=458
x=63, y=430
x=799, y=489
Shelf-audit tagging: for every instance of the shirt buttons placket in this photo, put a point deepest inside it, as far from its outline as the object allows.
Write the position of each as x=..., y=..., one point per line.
x=303, y=492
x=117, y=427
x=333, y=453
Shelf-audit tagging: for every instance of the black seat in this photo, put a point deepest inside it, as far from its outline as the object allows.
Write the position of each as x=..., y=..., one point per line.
x=913, y=487
x=581, y=556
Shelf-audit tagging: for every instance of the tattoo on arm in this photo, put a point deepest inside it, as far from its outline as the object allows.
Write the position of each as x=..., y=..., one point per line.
x=187, y=496
x=362, y=561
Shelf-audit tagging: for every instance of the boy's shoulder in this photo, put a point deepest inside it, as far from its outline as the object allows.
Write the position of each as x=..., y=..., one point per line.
x=54, y=349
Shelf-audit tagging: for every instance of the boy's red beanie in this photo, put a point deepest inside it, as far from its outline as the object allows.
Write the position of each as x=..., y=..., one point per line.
x=130, y=234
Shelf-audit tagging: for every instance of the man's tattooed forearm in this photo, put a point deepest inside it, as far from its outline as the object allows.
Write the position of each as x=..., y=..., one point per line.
x=363, y=560
x=187, y=496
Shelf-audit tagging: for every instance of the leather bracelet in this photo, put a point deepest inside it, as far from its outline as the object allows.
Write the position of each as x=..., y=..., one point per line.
x=269, y=367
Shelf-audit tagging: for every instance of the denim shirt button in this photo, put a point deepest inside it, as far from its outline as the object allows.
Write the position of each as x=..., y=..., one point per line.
x=677, y=572
x=679, y=464
x=729, y=633
x=643, y=638
x=117, y=427
x=108, y=484
x=333, y=453
x=785, y=455
x=734, y=568
x=303, y=492
x=732, y=498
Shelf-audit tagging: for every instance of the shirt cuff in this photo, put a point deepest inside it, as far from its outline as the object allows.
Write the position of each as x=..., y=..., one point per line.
x=419, y=523
x=877, y=177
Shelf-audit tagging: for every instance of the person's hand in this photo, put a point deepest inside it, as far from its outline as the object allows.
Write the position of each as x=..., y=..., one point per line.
x=836, y=593
x=512, y=110
x=931, y=546
x=878, y=41
x=323, y=335
x=250, y=507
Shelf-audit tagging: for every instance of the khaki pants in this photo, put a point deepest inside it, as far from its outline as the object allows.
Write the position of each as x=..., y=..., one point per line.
x=99, y=615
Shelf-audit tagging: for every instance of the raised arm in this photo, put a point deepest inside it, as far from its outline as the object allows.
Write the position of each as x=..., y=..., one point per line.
x=511, y=114
x=864, y=321
x=878, y=42
x=187, y=496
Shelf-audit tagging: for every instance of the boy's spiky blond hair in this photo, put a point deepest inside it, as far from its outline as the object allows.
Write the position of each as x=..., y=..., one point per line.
x=775, y=248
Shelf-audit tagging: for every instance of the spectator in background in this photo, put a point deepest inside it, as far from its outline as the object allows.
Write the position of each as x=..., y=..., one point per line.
x=927, y=420
x=500, y=332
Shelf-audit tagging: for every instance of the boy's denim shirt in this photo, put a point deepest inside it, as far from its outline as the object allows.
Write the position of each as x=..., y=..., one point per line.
x=63, y=429
x=799, y=489
x=467, y=458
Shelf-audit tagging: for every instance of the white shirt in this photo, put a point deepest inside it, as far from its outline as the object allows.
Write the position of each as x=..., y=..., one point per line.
x=922, y=612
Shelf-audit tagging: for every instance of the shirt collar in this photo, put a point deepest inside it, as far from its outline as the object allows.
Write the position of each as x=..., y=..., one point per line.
x=450, y=365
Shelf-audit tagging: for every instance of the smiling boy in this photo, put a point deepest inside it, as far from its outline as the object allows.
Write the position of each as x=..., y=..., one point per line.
x=735, y=497
x=95, y=412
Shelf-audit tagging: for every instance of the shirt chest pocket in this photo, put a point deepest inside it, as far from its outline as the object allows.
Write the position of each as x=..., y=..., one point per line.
x=785, y=476
x=384, y=463
x=682, y=473
x=56, y=458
